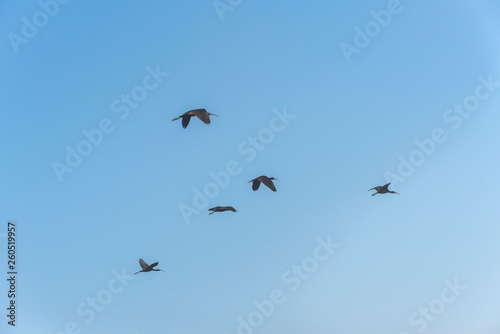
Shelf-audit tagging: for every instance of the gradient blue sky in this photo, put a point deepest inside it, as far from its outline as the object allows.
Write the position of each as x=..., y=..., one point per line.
x=352, y=123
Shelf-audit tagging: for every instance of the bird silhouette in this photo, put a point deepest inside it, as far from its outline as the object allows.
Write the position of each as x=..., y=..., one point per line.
x=383, y=189
x=202, y=114
x=268, y=181
x=147, y=267
x=221, y=209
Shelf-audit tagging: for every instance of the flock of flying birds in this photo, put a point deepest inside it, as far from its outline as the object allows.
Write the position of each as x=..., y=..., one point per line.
x=204, y=116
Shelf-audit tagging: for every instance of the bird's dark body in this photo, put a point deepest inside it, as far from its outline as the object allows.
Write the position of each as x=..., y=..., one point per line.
x=221, y=209
x=268, y=181
x=383, y=189
x=202, y=114
x=147, y=267
x=150, y=267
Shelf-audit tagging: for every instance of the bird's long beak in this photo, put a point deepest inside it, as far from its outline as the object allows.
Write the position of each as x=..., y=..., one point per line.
x=176, y=118
x=213, y=114
x=276, y=179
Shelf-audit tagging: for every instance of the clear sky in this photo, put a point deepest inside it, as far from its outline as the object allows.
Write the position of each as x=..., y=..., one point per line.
x=319, y=256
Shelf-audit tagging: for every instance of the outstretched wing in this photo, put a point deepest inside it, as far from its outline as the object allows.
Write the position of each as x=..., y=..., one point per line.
x=378, y=188
x=268, y=183
x=143, y=264
x=152, y=265
x=386, y=186
x=255, y=185
x=202, y=114
x=185, y=120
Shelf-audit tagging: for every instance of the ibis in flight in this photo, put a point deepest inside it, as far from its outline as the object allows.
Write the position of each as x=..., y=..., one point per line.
x=268, y=181
x=147, y=267
x=200, y=113
x=383, y=189
x=221, y=209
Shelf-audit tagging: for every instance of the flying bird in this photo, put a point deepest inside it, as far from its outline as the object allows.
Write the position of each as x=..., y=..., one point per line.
x=200, y=113
x=268, y=181
x=383, y=189
x=221, y=209
x=146, y=267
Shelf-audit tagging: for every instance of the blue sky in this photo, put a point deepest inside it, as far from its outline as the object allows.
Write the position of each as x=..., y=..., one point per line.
x=350, y=124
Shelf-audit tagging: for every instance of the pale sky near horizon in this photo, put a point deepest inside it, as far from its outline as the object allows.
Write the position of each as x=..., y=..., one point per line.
x=291, y=104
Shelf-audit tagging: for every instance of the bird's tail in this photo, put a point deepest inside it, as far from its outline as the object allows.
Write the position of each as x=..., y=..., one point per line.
x=211, y=213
